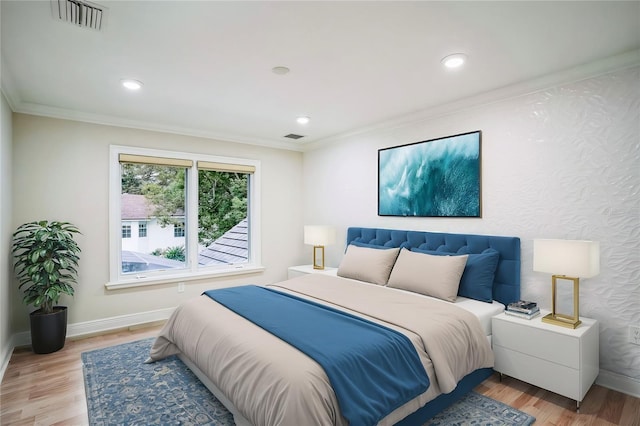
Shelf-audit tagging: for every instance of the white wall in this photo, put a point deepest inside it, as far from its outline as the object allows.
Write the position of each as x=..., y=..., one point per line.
x=6, y=271
x=558, y=163
x=61, y=172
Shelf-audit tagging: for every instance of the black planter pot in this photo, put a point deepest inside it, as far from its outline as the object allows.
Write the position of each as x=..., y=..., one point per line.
x=48, y=331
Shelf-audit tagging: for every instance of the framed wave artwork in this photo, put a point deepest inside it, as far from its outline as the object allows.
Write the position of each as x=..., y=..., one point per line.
x=433, y=178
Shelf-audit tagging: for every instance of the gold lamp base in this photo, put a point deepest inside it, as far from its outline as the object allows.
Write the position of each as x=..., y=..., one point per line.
x=569, y=321
x=318, y=257
x=562, y=320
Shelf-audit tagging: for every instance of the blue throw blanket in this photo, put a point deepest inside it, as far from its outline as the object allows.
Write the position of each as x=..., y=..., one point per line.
x=373, y=369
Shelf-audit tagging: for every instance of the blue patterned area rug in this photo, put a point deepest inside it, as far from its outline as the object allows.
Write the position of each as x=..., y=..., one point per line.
x=122, y=390
x=479, y=410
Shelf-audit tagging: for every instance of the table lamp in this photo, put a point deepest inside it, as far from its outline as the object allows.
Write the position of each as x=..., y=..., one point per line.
x=319, y=236
x=567, y=260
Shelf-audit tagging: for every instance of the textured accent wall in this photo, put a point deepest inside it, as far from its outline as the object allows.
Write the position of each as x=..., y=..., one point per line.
x=584, y=141
x=558, y=163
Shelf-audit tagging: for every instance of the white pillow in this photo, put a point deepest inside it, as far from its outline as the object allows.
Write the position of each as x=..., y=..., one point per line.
x=436, y=276
x=368, y=264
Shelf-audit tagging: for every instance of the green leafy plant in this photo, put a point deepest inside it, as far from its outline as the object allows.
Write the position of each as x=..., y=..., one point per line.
x=175, y=253
x=46, y=261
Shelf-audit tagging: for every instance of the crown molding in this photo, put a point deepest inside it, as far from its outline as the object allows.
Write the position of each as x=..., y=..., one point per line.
x=585, y=71
x=7, y=84
x=66, y=114
x=589, y=70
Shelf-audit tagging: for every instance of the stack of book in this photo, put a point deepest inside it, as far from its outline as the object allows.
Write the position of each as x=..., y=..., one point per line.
x=523, y=309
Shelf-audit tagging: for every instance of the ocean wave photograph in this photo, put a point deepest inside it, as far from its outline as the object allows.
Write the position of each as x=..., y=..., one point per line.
x=434, y=178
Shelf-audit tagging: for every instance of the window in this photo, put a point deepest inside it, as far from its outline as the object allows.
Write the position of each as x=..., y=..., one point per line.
x=142, y=229
x=178, y=230
x=222, y=205
x=197, y=215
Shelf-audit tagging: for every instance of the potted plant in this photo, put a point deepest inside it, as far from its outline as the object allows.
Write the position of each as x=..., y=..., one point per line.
x=46, y=261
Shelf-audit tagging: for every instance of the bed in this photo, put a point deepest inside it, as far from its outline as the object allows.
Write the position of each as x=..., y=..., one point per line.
x=265, y=381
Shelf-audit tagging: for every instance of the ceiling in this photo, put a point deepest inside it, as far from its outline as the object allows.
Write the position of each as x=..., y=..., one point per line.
x=207, y=65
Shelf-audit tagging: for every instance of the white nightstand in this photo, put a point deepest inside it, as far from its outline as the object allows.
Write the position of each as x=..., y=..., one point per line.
x=296, y=271
x=563, y=360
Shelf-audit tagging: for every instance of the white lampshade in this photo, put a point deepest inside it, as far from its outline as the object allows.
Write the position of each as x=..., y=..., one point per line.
x=319, y=235
x=573, y=258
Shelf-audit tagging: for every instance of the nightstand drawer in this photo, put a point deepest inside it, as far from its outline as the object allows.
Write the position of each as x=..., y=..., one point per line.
x=545, y=374
x=538, y=343
x=559, y=359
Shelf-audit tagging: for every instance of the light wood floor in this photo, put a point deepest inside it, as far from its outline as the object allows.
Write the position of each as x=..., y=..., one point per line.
x=49, y=390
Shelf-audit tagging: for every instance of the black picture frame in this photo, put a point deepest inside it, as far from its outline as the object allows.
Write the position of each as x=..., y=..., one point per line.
x=433, y=178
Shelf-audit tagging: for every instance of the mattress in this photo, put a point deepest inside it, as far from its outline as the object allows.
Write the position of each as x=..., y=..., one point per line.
x=484, y=311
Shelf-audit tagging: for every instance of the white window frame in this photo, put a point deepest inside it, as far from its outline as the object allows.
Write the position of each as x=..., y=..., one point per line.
x=192, y=271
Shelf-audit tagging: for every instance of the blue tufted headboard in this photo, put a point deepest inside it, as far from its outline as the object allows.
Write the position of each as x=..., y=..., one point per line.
x=506, y=284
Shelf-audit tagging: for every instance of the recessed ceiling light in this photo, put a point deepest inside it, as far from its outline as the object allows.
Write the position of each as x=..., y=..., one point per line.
x=280, y=70
x=302, y=120
x=454, y=61
x=131, y=84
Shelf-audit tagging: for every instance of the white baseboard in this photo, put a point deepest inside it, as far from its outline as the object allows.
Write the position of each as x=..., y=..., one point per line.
x=114, y=323
x=103, y=325
x=5, y=357
x=618, y=382
x=86, y=328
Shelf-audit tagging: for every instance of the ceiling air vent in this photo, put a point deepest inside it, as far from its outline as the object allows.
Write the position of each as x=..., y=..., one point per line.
x=80, y=13
x=293, y=136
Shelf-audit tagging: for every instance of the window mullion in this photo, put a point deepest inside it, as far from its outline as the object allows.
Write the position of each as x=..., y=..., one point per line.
x=192, y=217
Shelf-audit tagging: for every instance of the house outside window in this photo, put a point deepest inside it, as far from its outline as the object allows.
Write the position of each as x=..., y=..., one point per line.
x=195, y=215
x=142, y=229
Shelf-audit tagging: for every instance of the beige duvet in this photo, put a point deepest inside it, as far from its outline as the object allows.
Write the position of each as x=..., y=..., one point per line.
x=272, y=383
